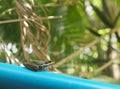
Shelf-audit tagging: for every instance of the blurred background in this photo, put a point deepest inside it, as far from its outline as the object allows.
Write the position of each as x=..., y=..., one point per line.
x=84, y=36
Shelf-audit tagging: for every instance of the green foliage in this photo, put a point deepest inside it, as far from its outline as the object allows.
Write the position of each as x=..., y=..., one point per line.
x=102, y=17
x=69, y=31
x=75, y=30
x=10, y=32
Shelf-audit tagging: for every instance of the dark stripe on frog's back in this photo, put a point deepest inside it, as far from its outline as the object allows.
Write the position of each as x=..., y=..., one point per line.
x=32, y=67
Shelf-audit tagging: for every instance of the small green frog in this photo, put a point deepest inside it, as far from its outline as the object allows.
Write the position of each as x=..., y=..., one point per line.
x=38, y=65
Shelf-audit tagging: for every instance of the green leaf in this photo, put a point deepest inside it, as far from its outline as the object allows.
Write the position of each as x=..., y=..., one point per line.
x=93, y=32
x=102, y=17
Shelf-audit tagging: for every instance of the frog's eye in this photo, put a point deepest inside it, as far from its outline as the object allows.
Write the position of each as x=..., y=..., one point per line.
x=46, y=65
x=48, y=62
x=32, y=67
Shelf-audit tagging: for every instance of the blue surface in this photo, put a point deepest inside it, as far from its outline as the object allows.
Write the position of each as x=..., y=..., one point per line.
x=15, y=77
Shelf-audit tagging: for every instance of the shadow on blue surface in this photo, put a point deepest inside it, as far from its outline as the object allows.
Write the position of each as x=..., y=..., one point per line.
x=15, y=77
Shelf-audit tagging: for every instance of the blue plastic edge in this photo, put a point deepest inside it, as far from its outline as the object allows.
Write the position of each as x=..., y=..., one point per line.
x=15, y=77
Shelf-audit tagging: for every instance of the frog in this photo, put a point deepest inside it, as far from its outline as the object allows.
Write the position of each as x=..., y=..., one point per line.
x=38, y=65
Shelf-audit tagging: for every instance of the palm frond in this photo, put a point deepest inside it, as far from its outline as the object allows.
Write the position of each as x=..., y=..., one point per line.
x=102, y=17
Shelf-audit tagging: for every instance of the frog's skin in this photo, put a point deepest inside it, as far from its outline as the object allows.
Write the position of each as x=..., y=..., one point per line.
x=31, y=66
x=38, y=65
